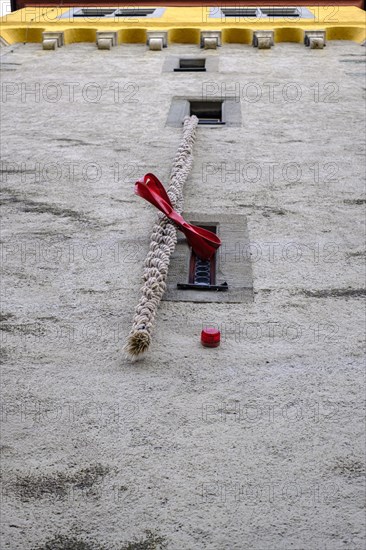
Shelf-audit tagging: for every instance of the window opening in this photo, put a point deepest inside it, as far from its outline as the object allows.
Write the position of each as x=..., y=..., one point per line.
x=239, y=12
x=191, y=65
x=207, y=112
x=94, y=12
x=202, y=273
x=281, y=12
x=134, y=12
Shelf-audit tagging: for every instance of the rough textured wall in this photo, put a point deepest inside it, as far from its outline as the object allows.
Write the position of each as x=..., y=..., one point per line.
x=256, y=444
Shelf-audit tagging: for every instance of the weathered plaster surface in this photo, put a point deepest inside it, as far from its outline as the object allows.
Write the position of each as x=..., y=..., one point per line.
x=257, y=444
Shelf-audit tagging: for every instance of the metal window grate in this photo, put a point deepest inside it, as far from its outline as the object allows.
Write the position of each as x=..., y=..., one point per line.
x=202, y=273
x=280, y=12
x=261, y=12
x=113, y=12
x=134, y=12
x=239, y=12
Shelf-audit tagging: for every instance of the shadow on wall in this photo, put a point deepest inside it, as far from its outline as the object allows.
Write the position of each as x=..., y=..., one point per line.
x=13, y=36
x=237, y=36
x=79, y=35
x=289, y=34
x=357, y=34
x=184, y=36
x=132, y=36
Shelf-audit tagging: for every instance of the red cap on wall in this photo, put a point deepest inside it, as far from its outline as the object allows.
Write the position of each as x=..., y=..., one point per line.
x=210, y=337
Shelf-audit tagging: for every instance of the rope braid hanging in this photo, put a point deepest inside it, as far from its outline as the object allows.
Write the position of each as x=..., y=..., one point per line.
x=162, y=245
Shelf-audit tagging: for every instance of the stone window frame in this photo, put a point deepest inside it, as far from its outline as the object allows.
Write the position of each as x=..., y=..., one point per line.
x=233, y=264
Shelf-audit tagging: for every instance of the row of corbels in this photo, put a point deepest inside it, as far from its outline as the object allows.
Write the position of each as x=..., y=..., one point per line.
x=209, y=40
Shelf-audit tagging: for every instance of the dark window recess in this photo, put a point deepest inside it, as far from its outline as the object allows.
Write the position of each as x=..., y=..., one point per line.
x=191, y=65
x=207, y=112
x=281, y=12
x=202, y=273
x=239, y=12
x=93, y=12
x=134, y=12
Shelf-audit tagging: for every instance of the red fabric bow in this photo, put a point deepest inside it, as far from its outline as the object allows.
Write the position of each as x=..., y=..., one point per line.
x=203, y=242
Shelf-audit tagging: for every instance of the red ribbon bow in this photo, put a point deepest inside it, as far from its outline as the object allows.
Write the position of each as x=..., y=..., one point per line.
x=203, y=242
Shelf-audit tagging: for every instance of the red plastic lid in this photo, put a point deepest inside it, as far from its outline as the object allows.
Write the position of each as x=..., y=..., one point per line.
x=210, y=337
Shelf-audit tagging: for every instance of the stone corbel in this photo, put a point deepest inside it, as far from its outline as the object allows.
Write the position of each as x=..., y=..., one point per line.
x=52, y=40
x=263, y=40
x=314, y=39
x=106, y=40
x=157, y=40
x=210, y=40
